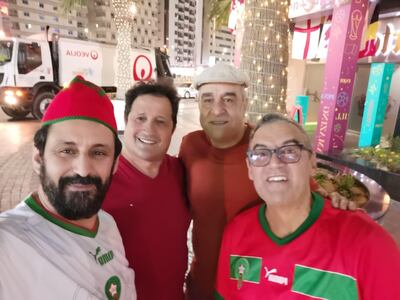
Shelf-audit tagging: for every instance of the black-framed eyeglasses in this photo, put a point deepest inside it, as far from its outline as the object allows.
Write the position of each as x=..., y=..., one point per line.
x=288, y=154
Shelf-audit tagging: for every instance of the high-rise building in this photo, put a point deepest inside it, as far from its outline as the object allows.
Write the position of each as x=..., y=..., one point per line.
x=27, y=17
x=145, y=28
x=218, y=43
x=181, y=32
x=93, y=22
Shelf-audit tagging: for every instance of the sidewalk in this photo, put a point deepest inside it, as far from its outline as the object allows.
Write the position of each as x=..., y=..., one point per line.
x=17, y=178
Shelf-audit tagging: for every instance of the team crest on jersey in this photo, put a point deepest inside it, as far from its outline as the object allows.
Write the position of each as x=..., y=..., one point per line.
x=245, y=269
x=271, y=276
x=112, y=288
x=101, y=257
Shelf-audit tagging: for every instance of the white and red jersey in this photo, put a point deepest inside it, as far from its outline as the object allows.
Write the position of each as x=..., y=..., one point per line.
x=44, y=257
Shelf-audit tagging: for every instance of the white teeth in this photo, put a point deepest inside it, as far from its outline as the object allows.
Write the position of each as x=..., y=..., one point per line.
x=218, y=122
x=277, y=178
x=146, y=141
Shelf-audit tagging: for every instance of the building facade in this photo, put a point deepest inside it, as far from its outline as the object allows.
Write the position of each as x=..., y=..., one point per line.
x=94, y=22
x=27, y=17
x=182, y=32
x=218, y=43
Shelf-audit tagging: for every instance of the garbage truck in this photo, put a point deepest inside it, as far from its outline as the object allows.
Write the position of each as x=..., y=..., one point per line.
x=34, y=69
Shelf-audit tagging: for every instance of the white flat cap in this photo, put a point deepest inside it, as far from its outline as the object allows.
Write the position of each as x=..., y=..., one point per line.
x=221, y=73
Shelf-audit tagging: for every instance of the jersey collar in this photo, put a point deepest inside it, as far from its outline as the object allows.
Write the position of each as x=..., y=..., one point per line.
x=37, y=207
x=316, y=208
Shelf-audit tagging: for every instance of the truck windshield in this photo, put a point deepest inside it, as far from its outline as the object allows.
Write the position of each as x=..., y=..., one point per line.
x=6, y=48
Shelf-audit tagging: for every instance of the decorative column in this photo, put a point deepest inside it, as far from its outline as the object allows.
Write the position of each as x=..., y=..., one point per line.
x=375, y=105
x=345, y=38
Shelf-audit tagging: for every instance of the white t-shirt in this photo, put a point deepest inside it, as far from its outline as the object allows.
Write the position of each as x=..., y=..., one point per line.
x=43, y=257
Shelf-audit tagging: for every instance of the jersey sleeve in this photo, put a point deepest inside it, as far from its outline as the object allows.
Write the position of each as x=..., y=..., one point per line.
x=379, y=267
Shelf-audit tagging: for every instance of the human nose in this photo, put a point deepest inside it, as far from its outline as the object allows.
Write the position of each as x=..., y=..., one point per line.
x=83, y=165
x=218, y=108
x=149, y=126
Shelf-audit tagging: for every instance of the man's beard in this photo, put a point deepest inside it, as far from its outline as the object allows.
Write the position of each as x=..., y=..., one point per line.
x=74, y=205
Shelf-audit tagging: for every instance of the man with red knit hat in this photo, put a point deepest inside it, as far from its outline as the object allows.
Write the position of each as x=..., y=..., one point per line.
x=58, y=243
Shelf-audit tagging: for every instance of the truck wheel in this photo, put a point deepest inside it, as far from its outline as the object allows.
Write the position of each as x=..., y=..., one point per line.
x=40, y=104
x=187, y=95
x=14, y=113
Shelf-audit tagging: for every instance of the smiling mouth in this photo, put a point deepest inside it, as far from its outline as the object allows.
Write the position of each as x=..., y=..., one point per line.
x=218, y=123
x=277, y=179
x=146, y=141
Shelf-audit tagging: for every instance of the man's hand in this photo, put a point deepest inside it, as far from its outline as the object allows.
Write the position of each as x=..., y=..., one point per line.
x=341, y=202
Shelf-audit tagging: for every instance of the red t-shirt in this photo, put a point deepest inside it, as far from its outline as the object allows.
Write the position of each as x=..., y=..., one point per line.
x=334, y=254
x=153, y=218
x=218, y=189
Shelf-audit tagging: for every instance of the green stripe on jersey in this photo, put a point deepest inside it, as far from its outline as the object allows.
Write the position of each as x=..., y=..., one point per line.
x=30, y=201
x=324, y=284
x=245, y=268
x=217, y=296
x=316, y=209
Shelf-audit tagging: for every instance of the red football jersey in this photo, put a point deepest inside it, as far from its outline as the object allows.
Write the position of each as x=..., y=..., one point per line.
x=334, y=254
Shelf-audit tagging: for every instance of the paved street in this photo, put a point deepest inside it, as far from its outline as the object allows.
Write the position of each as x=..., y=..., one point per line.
x=17, y=178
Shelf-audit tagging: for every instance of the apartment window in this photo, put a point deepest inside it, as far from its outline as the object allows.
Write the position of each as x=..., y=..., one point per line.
x=42, y=28
x=26, y=14
x=55, y=19
x=41, y=5
x=15, y=26
x=25, y=2
x=69, y=21
x=113, y=36
x=112, y=15
x=79, y=25
x=55, y=8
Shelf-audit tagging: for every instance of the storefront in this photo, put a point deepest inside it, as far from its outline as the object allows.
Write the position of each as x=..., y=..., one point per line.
x=306, y=73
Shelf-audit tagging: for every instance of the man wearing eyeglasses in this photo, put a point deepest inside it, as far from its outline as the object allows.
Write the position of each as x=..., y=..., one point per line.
x=295, y=245
x=217, y=184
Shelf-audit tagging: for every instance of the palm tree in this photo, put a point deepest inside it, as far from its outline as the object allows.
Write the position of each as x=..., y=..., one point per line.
x=123, y=21
x=264, y=52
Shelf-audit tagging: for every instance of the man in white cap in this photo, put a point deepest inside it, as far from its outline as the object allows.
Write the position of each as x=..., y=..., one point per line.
x=58, y=244
x=217, y=183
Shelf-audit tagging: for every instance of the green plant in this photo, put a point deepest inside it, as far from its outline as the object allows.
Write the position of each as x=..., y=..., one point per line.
x=344, y=184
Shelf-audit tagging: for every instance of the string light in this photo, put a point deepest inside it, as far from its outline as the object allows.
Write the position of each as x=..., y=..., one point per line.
x=124, y=13
x=265, y=56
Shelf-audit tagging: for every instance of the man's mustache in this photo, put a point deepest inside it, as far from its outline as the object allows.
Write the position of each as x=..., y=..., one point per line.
x=77, y=179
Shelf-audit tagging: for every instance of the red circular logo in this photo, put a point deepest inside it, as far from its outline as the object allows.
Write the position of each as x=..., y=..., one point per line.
x=94, y=55
x=142, y=68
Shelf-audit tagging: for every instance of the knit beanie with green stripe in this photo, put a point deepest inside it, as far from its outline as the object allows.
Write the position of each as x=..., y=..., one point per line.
x=81, y=100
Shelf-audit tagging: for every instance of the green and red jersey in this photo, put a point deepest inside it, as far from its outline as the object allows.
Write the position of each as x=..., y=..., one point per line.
x=334, y=254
